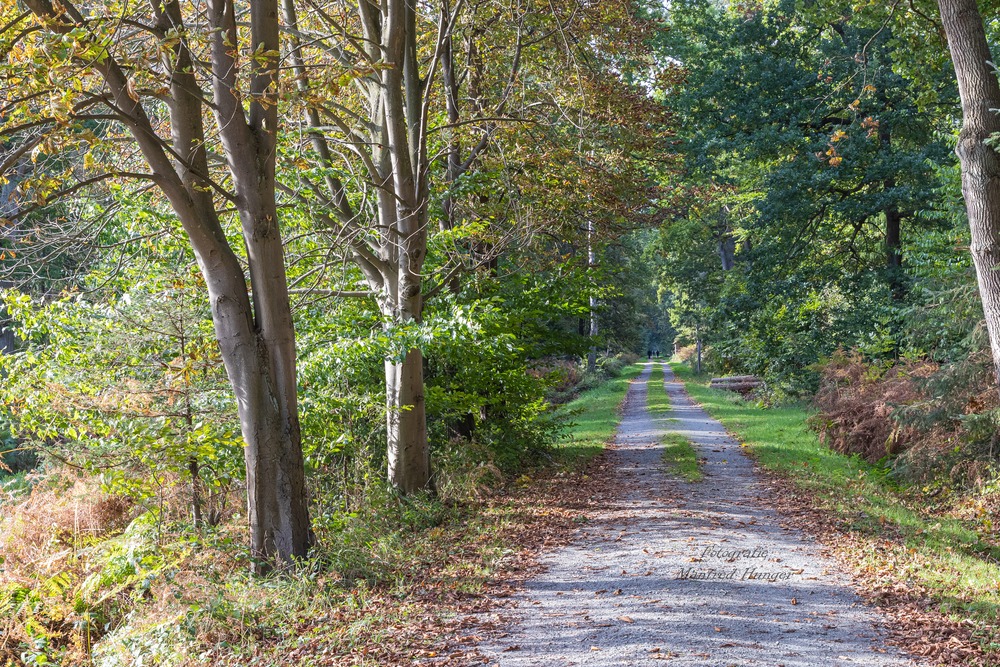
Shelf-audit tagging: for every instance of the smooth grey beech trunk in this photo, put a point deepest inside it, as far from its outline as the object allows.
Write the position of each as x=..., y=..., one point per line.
x=591, y=265
x=980, y=94
x=388, y=241
x=409, y=459
x=253, y=322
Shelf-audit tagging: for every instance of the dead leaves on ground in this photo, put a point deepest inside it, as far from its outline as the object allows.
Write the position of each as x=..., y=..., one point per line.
x=442, y=622
x=913, y=622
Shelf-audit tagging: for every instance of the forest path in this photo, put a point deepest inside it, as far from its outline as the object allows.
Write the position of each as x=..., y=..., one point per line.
x=701, y=573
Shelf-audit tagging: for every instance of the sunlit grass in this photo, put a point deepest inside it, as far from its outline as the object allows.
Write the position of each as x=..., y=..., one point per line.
x=905, y=540
x=678, y=454
x=680, y=457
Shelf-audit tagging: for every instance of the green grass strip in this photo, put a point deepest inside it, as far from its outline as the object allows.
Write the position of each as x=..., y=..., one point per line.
x=678, y=454
x=906, y=541
x=595, y=417
x=681, y=458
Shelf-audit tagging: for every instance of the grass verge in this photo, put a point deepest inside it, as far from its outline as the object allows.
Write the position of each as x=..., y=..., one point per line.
x=594, y=418
x=898, y=540
x=678, y=454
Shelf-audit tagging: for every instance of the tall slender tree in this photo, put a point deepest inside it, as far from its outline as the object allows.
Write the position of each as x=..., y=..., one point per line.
x=156, y=83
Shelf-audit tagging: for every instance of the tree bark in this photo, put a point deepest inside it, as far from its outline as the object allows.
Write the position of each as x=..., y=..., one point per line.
x=894, y=247
x=391, y=146
x=727, y=251
x=591, y=265
x=893, y=228
x=980, y=95
x=6, y=333
x=409, y=456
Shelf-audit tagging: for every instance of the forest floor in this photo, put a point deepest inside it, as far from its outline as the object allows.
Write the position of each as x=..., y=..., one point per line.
x=690, y=572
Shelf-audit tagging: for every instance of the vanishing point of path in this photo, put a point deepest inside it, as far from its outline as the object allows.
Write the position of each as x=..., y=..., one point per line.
x=682, y=573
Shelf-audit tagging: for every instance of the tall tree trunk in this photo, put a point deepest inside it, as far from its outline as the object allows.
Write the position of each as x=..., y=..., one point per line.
x=697, y=346
x=894, y=247
x=591, y=264
x=258, y=352
x=725, y=241
x=893, y=227
x=409, y=459
x=980, y=94
x=727, y=251
x=6, y=333
x=253, y=323
x=409, y=454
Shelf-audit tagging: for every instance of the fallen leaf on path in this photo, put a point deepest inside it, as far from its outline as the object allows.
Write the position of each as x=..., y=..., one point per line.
x=626, y=619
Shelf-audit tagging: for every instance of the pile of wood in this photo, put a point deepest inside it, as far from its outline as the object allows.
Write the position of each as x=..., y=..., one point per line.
x=741, y=384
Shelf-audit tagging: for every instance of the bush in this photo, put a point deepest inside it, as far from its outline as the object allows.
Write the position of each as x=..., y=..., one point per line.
x=939, y=422
x=856, y=402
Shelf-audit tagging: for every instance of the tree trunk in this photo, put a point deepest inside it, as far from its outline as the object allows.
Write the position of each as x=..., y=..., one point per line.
x=727, y=251
x=258, y=352
x=894, y=252
x=592, y=354
x=591, y=265
x=253, y=322
x=697, y=347
x=409, y=459
x=980, y=94
x=6, y=333
x=893, y=228
x=725, y=242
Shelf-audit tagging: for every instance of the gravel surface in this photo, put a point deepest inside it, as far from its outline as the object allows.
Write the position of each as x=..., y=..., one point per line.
x=688, y=573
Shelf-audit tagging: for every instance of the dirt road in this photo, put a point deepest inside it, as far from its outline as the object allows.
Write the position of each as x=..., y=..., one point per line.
x=688, y=573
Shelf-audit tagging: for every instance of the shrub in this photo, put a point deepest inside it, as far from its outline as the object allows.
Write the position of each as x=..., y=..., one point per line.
x=856, y=402
x=64, y=574
x=939, y=422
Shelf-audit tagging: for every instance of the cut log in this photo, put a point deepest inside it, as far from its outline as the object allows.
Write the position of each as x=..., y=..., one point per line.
x=736, y=378
x=740, y=387
x=741, y=384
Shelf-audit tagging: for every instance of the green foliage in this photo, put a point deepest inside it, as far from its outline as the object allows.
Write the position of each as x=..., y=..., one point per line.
x=594, y=417
x=130, y=387
x=805, y=132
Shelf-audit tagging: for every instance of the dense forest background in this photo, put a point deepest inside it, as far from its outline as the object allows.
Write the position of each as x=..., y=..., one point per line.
x=285, y=284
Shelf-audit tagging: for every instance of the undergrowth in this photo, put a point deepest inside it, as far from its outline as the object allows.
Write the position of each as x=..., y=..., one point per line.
x=88, y=578
x=594, y=417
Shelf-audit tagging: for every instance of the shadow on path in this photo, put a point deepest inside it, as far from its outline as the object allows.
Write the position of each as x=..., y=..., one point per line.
x=688, y=573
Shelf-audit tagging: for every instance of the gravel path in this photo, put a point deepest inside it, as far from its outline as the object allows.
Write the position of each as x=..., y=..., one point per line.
x=688, y=573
